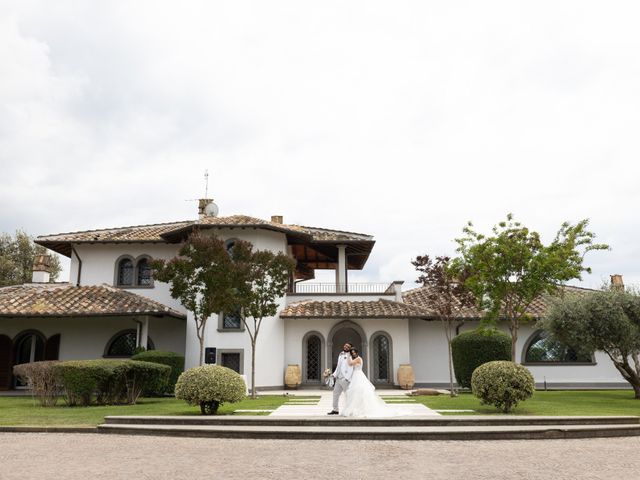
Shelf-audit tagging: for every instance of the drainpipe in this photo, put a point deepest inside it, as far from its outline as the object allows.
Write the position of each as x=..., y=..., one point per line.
x=73, y=250
x=458, y=327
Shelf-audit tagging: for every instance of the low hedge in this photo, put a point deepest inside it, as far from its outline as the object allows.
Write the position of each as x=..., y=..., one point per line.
x=107, y=381
x=41, y=379
x=172, y=359
x=476, y=347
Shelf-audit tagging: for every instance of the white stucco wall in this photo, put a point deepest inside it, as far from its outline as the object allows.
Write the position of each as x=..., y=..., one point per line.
x=398, y=330
x=429, y=358
x=87, y=338
x=98, y=267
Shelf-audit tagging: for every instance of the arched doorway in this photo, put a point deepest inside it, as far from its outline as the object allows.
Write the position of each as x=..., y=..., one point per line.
x=343, y=332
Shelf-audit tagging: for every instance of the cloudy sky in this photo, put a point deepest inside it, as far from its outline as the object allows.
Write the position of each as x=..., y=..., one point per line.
x=399, y=119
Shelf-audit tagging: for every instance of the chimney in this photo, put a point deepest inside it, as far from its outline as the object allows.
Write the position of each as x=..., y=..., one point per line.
x=616, y=282
x=277, y=219
x=397, y=289
x=41, y=269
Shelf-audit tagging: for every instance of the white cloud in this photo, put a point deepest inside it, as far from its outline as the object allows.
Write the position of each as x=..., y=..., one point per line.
x=403, y=121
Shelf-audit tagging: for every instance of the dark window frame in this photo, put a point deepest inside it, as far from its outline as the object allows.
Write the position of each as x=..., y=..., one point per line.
x=121, y=333
x=537, y=336
x=135, y=273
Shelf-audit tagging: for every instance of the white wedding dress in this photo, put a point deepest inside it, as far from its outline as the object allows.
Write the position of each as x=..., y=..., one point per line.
x=361, y=398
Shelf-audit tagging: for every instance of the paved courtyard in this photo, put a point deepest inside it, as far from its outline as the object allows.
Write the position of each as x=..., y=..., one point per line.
x=114, y=457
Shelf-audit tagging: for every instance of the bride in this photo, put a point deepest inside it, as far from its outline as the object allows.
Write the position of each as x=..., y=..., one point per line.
x=361, y=398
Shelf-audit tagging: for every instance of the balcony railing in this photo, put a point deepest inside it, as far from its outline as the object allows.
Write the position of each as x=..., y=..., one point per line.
x=332, y=287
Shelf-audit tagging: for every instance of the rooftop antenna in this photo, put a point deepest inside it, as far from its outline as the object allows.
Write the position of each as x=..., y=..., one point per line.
x=206, y=184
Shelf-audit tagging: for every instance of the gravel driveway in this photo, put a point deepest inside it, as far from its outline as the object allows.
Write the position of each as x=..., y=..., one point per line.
x=81, y=456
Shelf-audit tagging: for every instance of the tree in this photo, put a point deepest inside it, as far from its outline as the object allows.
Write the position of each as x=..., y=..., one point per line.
x=16, y=259
x=268, y=277
x=511, y=268
x=204, y=277
x=608, y=321
x=446, y=293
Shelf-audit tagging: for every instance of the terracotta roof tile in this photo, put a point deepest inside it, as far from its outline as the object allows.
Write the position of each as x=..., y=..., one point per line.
x=138, y=233
x=69, y=300
x=349, y=309
x=419, y=297
x=159, y=232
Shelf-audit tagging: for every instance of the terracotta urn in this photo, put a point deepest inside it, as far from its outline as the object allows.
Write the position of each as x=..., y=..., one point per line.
x=292, y=376
x=406, y=377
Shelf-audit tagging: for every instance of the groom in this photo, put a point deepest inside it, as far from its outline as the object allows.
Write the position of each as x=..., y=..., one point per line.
x=342, y=375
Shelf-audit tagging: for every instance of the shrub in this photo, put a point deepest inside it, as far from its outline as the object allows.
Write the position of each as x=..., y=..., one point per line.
x=137, y=376
x=502, y=384
x=175, y=361
x=472, y=349
x=41, y=380
x=109, y=381
x=209, y=386
x=82, y=378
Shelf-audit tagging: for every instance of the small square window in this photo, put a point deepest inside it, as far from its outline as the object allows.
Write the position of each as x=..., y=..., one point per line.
x=231, y=359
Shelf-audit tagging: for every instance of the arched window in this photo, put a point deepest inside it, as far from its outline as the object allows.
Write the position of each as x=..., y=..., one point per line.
x=229, y=244
x=125, y=272
x=381, y=358
x=314, y=369
x=133, y=273
x=143, y=278
x=312, y=361
x=542, y=349
x=29, y=347
x=124, y=344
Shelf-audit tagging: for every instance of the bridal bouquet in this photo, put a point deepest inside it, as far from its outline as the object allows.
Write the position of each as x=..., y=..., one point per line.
x=328, y=378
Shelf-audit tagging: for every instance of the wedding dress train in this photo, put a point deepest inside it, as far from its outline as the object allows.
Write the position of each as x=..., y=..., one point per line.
x=362, y=401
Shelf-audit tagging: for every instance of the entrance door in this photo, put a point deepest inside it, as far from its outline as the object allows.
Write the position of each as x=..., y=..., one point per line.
x=342, y=336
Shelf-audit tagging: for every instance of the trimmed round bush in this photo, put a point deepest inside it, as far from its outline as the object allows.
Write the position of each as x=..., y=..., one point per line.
x=502, y=384
x=172, y=359
x=210, y=386
x=476, y=347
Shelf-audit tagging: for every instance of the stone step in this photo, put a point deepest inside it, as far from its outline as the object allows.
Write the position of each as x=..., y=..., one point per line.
x=339, y=432
x=341, y=422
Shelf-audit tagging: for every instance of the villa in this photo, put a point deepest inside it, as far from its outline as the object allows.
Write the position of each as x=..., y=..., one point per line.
x=112, y=305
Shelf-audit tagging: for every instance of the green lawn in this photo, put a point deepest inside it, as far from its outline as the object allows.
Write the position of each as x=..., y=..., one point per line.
x=24, y=411
x=565, y=402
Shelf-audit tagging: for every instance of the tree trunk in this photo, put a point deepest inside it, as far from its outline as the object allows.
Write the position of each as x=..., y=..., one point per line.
x=514, y=341
x=453, y=393
x=253, y=370
x=201, y=338
x=636, y=389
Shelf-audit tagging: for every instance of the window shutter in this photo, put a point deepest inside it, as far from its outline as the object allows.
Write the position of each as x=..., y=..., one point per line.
x=6, y=363
x=52, y=348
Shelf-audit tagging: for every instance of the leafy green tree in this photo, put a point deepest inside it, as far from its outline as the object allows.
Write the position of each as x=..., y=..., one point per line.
x=267, y=281
x=17, y=254
x=446, y=294
x=608, y=321
x=509, y=269
x=205, y=277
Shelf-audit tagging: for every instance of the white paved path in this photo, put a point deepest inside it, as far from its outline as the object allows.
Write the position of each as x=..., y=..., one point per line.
x=301, y=407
